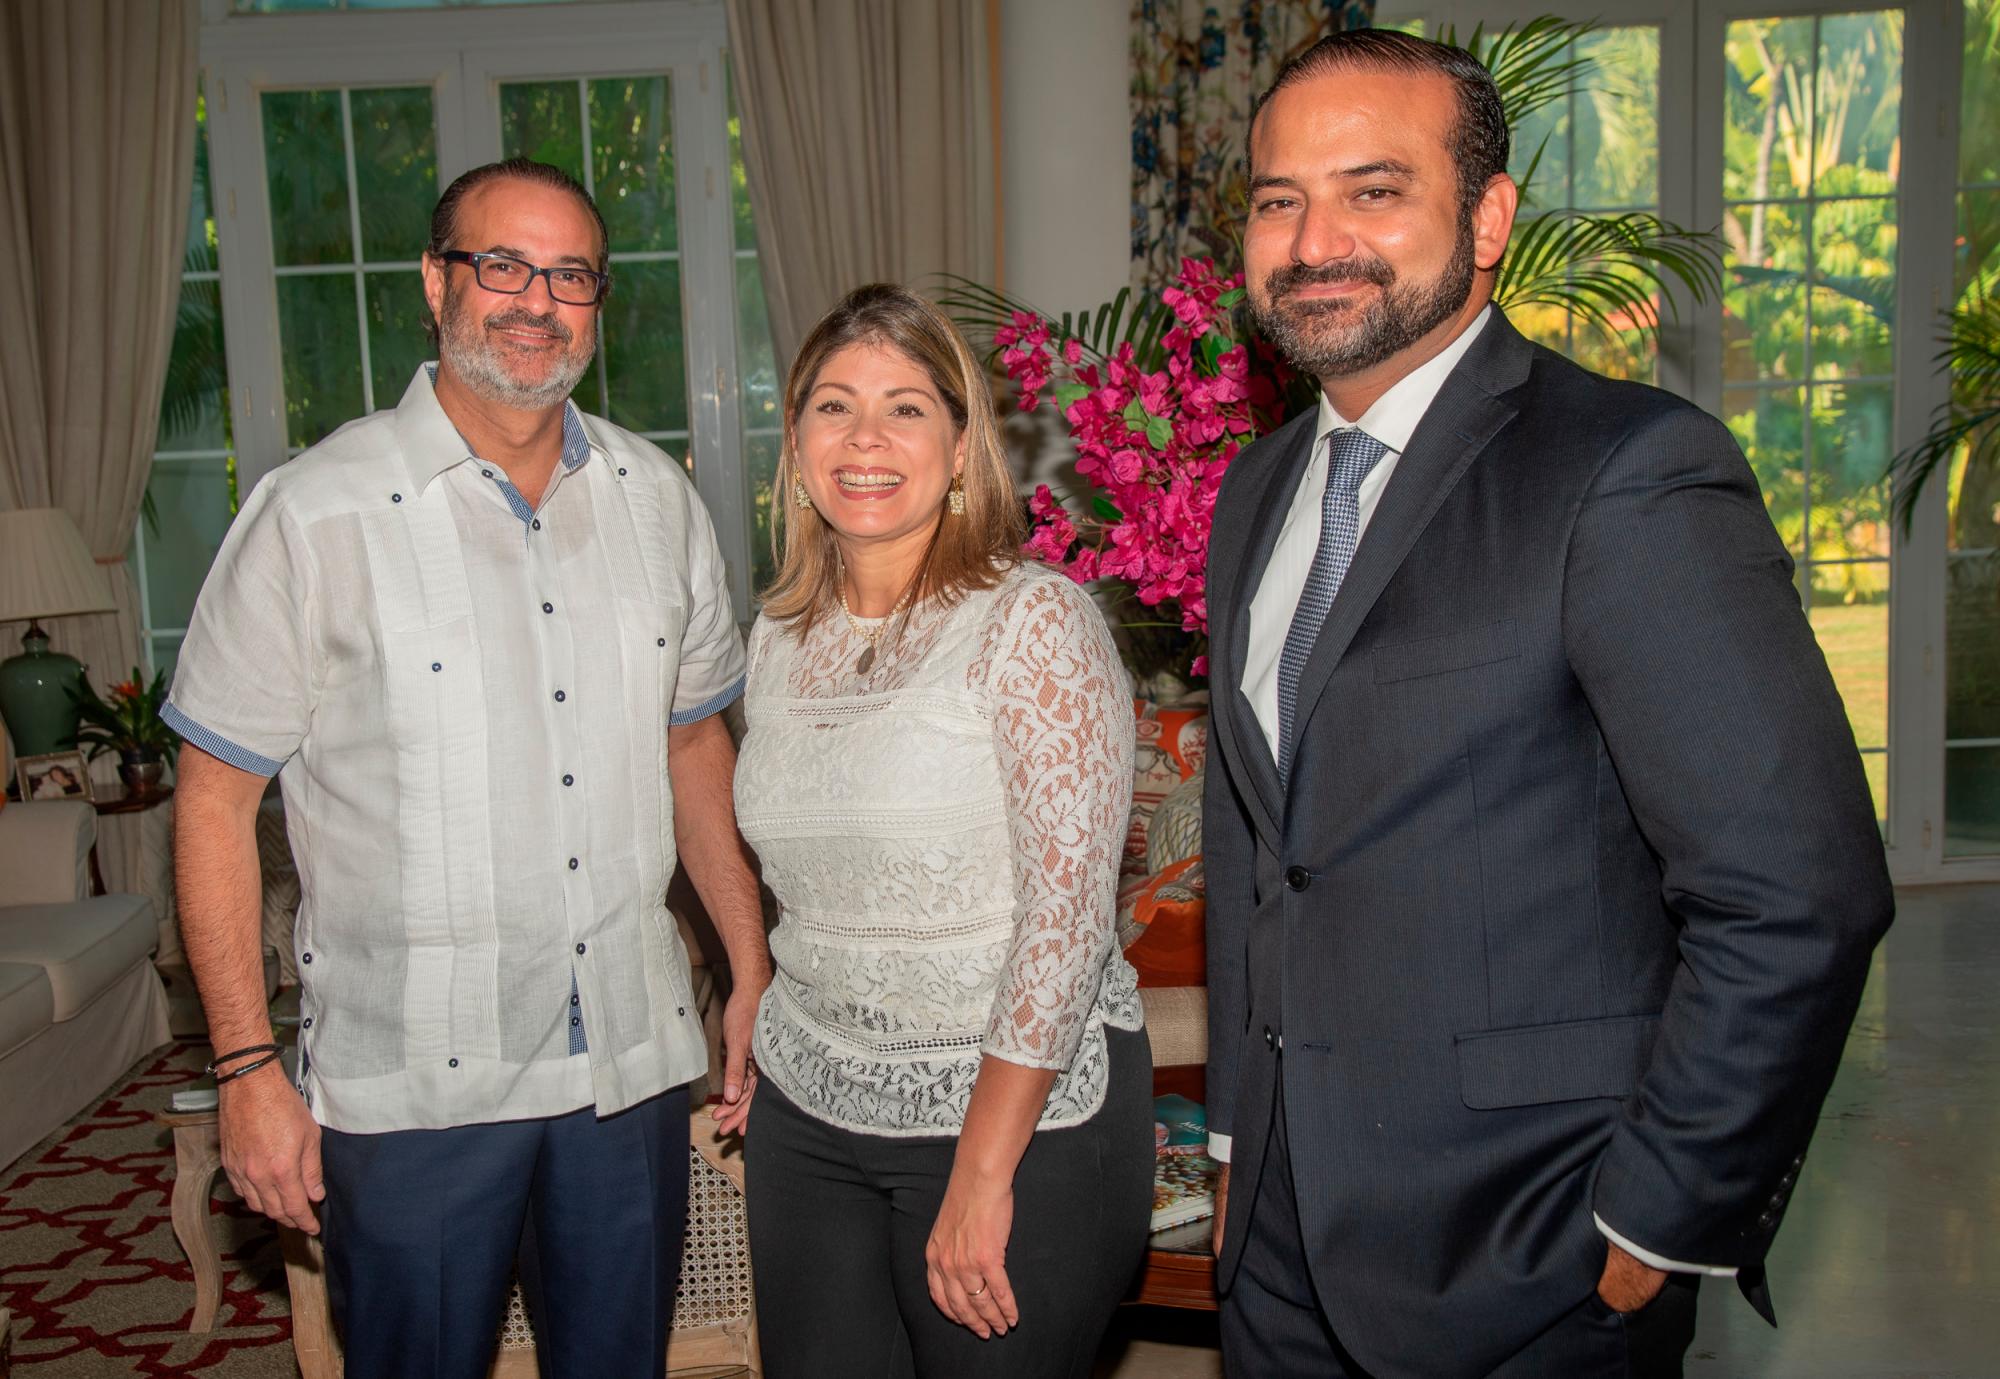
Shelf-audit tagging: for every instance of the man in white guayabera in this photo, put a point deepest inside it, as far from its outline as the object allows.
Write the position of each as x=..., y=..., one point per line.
x=482, y=640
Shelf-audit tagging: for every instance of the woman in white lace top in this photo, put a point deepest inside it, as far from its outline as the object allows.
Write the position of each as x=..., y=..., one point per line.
x=953, y=1132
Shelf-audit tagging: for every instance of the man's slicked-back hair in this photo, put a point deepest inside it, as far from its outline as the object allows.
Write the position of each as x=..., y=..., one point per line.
x=444, y=219
x=1479, y=140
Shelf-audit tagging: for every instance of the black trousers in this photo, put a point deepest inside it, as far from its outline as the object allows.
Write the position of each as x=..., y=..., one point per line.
x=1273, y=1323
x=424, y=1228
x=839, y=1221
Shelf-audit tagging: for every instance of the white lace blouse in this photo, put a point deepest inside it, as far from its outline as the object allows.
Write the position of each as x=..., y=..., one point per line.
x=942, y=834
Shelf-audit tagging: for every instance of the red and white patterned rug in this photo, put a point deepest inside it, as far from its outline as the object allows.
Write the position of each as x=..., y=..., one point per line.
x=88, y=1260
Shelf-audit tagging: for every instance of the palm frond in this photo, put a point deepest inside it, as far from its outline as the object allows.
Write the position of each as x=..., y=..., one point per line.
x=1970, y=353
x=1127, y=318
x=1605, y=267
x=1534, y=64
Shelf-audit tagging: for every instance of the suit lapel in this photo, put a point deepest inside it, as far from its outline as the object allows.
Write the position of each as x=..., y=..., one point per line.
x=1469, y=410
x=1249, y=750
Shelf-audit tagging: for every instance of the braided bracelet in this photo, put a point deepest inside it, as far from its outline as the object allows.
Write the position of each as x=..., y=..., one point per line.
x=209, y=1071
x=245, y=1070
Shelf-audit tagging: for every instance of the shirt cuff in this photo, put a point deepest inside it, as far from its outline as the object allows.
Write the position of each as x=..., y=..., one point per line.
x=216, y=745
x=680, y=718
x=1660, y=1262
x=1218, y=1147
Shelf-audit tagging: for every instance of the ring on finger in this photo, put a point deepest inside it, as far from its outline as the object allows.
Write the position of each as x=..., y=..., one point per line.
x=977, y=1291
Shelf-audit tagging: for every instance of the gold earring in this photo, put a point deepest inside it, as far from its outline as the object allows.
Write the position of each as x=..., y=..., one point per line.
x=800, y=498
x=955, y=500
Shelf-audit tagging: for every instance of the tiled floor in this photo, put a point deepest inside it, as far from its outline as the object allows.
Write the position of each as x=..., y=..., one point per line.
x=1888, y=1266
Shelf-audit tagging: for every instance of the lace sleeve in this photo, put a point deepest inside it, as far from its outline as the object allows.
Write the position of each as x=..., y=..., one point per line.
x=1063, y=731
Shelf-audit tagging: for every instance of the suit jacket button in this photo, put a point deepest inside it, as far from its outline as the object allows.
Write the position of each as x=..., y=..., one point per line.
x=1297, y=879
x=1768, y=1220
x=1270, y=1039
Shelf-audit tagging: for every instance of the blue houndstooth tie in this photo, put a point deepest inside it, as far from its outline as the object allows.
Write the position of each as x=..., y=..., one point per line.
x=1353, y=453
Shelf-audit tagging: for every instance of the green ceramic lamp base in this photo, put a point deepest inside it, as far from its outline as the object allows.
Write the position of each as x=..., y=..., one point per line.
x=34, y=696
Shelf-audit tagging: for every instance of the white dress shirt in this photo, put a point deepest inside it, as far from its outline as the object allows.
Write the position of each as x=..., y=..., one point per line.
x=466, y=702
x=1392, y=420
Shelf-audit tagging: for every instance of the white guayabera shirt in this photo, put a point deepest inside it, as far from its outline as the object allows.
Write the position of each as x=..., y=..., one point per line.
x=466, y=703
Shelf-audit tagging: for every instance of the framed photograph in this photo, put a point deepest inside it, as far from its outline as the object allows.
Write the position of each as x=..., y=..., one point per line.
x=57, y=776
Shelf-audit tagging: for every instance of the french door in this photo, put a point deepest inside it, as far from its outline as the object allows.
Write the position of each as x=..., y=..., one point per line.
x=1818, y=141
x=332, y=136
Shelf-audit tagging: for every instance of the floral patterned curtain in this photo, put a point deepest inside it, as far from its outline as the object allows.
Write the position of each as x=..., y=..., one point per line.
x=1196, y=67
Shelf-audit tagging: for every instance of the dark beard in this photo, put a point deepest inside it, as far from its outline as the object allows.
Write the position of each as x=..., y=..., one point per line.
x=1397, y=318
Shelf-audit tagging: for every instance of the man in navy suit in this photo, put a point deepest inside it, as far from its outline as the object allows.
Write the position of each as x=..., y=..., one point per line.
x=1543, y=874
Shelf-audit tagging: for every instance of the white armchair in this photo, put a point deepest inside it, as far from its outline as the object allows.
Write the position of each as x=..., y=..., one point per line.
x=79, y=1000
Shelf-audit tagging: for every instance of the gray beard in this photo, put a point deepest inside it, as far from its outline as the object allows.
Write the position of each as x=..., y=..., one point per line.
x=1311, y=337
x=476, y=360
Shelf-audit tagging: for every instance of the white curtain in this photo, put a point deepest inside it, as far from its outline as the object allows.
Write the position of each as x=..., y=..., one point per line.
x=868, y=143
x=97, y=121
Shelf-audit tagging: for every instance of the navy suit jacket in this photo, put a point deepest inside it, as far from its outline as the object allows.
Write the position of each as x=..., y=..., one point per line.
x=1571, y=899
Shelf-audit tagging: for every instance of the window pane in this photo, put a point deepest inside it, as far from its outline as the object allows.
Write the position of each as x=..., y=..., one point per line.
x=1854, y=292
x=1767, y=71
x=1858, y=114
x=756, y=362
x=1851, y=445
x=1544, y=132
x=1972, y=646
x=1971, y=801
x=760, y=458
x=395, y=170
x=1978, y=247
x=541, y=120
x=1767, y=423
x=1978, y=132
x=194, y=401
x=190, y=500
x=1876, y=766
x=321, y=350
x=632, y=162
x=397, y=343
x=1763, y=300
x=739, y=182
x=1855, y=639
x=645, y=366
x=199, y=256
x=305, y=161
x=1616, y=140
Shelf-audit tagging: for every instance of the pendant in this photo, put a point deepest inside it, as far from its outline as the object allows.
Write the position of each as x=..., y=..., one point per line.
x=867, y=661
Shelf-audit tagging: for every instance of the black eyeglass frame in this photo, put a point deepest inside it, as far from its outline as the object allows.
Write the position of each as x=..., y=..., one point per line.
x=477, y=262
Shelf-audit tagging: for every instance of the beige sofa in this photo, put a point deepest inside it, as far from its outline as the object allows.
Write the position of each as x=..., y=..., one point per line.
x=79, y=1000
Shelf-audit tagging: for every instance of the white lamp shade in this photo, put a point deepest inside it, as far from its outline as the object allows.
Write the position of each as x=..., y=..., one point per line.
x=45, y=569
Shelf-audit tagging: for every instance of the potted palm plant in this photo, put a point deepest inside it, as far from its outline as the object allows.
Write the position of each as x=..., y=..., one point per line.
x=129, y=724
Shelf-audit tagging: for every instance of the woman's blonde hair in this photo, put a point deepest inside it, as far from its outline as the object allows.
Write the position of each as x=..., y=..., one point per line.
x=968, y=551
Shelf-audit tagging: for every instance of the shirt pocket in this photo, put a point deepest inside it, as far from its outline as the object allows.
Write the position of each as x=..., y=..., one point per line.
x=432, y=688
x=649, y=655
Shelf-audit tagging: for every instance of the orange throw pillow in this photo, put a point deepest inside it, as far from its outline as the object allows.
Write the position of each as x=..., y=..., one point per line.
x=1172, y=913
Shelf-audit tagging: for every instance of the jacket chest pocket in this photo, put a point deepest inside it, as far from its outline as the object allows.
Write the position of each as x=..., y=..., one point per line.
x=433, y=690
x=1440, y=655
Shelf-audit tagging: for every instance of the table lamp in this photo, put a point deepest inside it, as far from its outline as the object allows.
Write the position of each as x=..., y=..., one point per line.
x=45, y=572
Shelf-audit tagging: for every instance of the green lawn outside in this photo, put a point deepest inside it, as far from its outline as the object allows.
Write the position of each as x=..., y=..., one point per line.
x=1855, y=639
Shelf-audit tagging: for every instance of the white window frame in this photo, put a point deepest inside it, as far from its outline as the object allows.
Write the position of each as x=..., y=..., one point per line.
x=463, y=55
x=1692, y=97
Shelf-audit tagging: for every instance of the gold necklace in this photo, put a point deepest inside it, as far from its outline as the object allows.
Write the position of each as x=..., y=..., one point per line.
x=871, y=635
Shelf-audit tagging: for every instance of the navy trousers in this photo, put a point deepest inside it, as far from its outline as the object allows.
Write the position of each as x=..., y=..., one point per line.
x=423, y=1229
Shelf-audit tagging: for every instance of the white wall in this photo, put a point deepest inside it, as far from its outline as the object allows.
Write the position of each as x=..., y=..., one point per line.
x=1065, y=149
x=1065, y=180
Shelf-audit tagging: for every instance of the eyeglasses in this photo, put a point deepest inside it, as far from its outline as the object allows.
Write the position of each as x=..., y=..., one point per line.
x=498, y=273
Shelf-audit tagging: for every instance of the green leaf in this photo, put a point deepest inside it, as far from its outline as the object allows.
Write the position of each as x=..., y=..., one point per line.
x=1105, y=510
x=1135, y=415
x=1228, y=300
x=1158, y=432
x=1067, y=395
x=1212, y=346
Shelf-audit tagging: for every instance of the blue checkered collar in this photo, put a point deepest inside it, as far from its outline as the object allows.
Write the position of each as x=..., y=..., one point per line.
x=431, y=444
